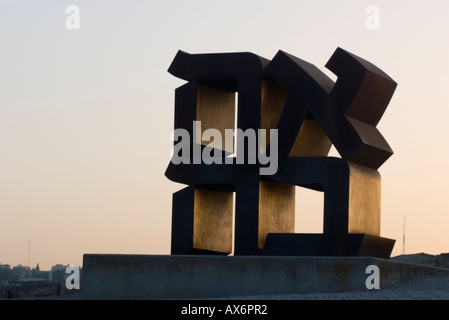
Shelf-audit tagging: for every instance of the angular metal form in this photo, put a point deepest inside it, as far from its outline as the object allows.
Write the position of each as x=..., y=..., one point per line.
x=313, y=244
x=310, y=113
x=276, y=209
x=209, y=96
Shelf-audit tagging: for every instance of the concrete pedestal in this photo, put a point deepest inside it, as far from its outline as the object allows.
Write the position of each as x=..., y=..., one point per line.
x=109, y=276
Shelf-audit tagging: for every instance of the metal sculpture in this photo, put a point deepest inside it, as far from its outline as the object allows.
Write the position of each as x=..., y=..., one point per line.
x=307, y=113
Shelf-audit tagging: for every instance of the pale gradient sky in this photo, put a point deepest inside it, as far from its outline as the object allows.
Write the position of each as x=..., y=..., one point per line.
x=86, y=115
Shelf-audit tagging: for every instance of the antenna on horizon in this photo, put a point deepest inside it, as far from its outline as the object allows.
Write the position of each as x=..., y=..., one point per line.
x=403, y=237
x=29, y=255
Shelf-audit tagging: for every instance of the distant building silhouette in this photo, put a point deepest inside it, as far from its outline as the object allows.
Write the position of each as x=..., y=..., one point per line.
x=21, y=273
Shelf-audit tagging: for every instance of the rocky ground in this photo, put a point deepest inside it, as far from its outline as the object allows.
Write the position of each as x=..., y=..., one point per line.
x=430, y=288
x=438, y=261
x=35, y=290
x=427, y=288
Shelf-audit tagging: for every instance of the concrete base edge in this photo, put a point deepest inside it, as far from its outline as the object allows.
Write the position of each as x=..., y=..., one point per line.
x=133, y=277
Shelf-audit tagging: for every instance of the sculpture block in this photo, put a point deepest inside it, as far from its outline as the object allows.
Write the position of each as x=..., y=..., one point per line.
x=301, y=113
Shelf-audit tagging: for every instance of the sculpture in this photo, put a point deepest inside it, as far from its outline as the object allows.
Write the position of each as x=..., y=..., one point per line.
x=307, y=113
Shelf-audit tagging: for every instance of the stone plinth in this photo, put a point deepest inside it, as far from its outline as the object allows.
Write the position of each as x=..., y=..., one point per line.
x=109, y=276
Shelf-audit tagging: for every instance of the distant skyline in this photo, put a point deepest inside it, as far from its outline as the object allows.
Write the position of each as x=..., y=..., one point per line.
x=86, y=112
x=35, y=267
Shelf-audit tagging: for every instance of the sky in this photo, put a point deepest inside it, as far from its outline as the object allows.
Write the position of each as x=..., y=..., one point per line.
x=86, y=114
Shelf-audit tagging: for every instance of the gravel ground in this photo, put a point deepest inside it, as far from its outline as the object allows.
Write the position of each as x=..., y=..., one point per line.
x=60, y=297
x=430, y=288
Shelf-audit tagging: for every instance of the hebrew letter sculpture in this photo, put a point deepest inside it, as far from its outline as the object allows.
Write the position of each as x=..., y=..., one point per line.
x=308, y=113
